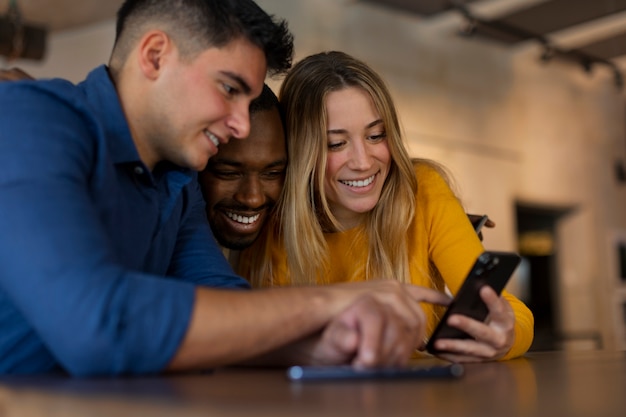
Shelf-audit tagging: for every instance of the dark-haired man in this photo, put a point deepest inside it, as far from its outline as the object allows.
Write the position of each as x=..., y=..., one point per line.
x=107, y=265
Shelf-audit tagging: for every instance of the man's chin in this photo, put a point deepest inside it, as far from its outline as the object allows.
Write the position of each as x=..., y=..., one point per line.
x=238, y=243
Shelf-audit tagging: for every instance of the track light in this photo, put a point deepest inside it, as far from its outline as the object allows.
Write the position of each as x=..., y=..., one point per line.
x=469, y=29
x=618, y=77
x=587, y=65
x=548, y=53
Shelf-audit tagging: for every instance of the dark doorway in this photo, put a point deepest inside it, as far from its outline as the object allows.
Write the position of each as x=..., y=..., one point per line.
x=536, y=226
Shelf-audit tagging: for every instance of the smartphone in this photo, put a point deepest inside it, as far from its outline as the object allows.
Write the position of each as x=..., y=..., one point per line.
x=491, y=268
x=346, y=372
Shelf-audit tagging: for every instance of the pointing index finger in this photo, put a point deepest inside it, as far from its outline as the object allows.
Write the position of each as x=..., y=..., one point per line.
x=428, y=295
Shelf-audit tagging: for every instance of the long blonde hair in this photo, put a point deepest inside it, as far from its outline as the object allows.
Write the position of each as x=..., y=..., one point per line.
x=303, y=214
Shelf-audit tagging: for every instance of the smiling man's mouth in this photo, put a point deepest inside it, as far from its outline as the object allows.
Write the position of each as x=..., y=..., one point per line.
x=212, y=138
x=242, y=219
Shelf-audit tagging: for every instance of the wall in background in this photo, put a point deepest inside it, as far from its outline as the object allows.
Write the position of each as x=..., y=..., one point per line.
x=509, y=128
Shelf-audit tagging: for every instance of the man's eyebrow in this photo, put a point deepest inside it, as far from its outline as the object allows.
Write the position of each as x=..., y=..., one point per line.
x=234, y=163
x=245, y=87
x=369, y=125
x=226, y=161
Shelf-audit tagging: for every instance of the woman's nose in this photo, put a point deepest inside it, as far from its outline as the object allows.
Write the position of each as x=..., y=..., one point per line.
x=360, y=157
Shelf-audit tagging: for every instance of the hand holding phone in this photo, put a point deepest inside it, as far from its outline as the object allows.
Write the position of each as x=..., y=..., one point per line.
x=491, y=268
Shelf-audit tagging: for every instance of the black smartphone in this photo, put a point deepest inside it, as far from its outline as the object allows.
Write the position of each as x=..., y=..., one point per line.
x=346, y=372
x=491, y=268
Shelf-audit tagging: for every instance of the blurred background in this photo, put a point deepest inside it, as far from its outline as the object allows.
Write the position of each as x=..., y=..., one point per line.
x=522, y=100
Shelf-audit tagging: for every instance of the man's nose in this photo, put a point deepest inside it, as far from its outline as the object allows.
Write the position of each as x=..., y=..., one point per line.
x=250, y=192
x=239, y=120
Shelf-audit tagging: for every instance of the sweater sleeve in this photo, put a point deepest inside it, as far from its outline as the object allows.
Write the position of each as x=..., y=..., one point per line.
x=454, y=246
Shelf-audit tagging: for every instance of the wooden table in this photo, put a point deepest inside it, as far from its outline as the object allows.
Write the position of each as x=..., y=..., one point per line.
x=541, y=384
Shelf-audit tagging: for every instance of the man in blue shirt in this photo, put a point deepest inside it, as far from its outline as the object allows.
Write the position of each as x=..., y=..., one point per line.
x=107, y=264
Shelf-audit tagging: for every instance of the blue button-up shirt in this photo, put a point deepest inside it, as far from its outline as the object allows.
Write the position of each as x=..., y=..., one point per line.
x=99, y=257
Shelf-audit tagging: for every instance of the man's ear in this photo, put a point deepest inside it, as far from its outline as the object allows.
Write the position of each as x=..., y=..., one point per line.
x=154, y=48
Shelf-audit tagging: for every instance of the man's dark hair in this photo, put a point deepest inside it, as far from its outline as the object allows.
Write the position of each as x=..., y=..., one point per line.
x=196, y=25
x=266, y=102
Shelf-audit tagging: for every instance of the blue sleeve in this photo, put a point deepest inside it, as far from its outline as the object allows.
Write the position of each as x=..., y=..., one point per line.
x=195, y=240
x=57, y=265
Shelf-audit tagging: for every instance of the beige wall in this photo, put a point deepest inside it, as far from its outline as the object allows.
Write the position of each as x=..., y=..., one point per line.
x=508, y=127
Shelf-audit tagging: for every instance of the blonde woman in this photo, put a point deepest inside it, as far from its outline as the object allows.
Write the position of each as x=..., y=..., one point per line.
x=356, y=207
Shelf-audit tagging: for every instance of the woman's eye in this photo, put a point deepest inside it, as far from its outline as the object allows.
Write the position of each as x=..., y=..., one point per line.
x=379, y=137
x=335, y=145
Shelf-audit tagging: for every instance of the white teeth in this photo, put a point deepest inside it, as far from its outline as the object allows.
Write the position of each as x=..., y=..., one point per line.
x=243, y=219
x=212, y=138
x=360, y=183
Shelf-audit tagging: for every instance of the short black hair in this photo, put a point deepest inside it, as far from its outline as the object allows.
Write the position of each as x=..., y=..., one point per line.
x=199, y=24
x=266, y=102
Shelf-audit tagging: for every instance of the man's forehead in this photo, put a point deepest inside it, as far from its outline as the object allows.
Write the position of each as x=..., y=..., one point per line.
x=253, y=148
x=244, y=62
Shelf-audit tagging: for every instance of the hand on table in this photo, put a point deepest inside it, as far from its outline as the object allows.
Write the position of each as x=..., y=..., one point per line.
x=379, y=329
x=491, y=339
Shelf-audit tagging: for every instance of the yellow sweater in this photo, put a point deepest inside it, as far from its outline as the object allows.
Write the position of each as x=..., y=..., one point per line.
x=440, y=232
